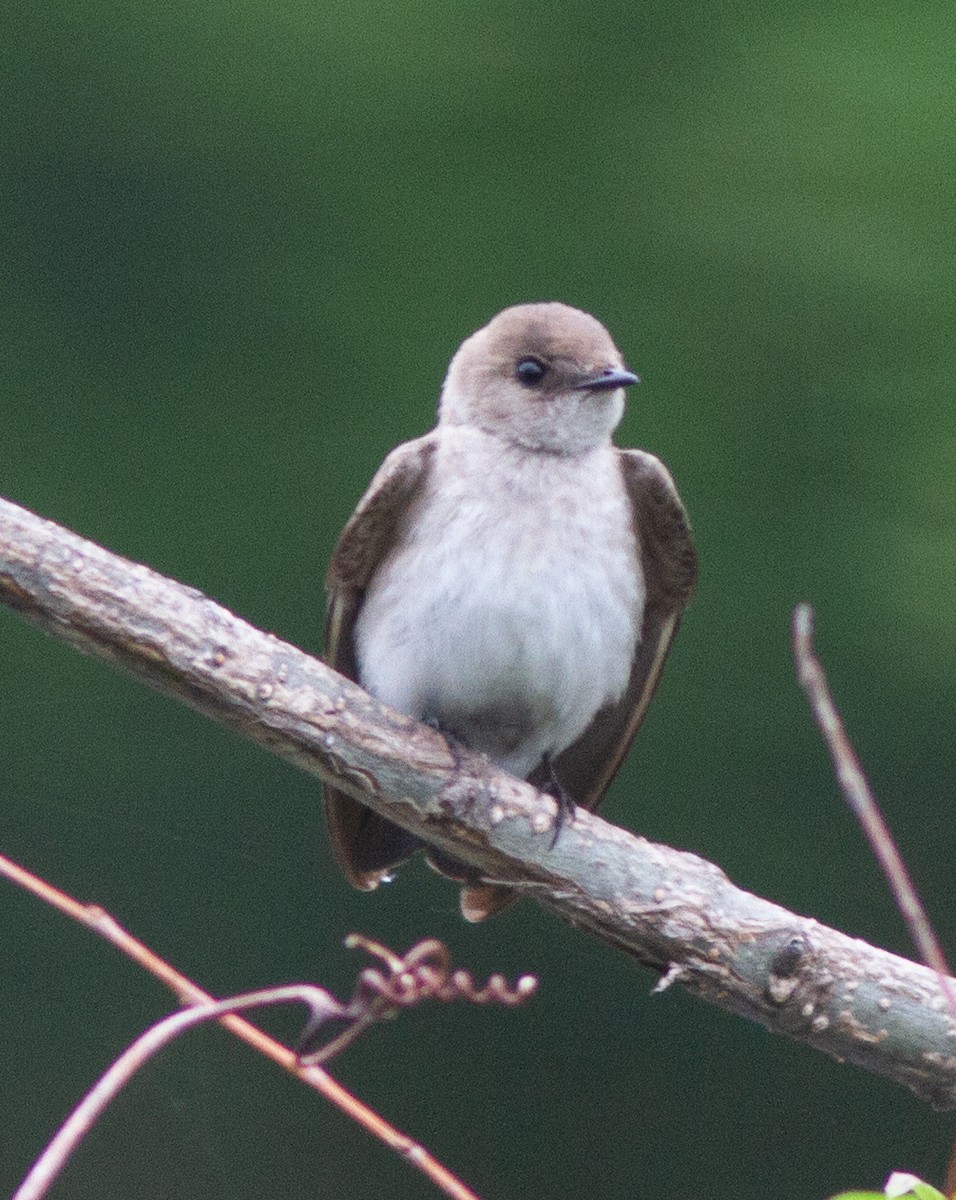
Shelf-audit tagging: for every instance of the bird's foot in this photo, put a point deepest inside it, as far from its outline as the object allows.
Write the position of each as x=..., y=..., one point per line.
x=456, y=748
x=561, y=796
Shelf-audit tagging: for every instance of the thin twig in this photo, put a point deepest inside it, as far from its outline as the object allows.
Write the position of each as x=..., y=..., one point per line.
x=79, y=1123
x=101, y=922
x=858, y=795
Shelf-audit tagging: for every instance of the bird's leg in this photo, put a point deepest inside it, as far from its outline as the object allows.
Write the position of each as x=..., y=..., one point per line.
x=562, y=797
x=456, y=747
x=440, y=860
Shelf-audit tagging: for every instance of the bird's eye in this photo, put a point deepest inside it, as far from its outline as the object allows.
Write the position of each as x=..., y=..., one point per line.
x=530, y=371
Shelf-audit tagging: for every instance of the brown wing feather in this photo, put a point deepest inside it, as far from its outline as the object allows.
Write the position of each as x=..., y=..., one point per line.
x=363, y=843
x=669, y=561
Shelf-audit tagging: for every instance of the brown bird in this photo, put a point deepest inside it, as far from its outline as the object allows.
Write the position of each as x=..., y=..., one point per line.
x=512, y=577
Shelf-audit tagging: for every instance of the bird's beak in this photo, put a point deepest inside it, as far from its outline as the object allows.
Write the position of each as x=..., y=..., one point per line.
x=607, y=380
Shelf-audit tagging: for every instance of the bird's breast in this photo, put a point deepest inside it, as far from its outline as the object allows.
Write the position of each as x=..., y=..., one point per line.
x=510, y=606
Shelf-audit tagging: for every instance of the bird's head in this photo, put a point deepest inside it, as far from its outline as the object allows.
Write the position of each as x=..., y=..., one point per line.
x=544, y=376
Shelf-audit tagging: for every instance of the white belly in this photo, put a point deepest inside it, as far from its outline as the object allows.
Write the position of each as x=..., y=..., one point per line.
x=510, y=610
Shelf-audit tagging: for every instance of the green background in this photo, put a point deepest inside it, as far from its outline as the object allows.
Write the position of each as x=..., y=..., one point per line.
x=239, y=244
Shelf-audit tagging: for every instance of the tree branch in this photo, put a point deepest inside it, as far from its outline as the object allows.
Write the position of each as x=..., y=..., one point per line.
x=670, y=910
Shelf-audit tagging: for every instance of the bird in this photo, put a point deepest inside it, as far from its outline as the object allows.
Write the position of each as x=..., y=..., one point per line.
x=512, y=578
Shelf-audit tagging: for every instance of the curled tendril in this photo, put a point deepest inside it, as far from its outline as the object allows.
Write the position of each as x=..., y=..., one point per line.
x=425, y=973
x=422, y=973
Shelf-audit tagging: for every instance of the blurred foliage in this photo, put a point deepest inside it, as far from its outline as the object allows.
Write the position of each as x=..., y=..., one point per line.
x=240, y=243
x=898, y=1186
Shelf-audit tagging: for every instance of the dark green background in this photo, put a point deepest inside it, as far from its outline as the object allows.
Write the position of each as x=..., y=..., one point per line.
x=239, y=244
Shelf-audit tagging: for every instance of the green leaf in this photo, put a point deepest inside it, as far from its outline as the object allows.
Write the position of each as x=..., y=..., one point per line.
x=900, y=1184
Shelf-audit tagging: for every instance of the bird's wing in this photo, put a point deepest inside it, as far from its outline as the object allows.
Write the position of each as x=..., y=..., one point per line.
x=365, y=844
x=669, y=562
